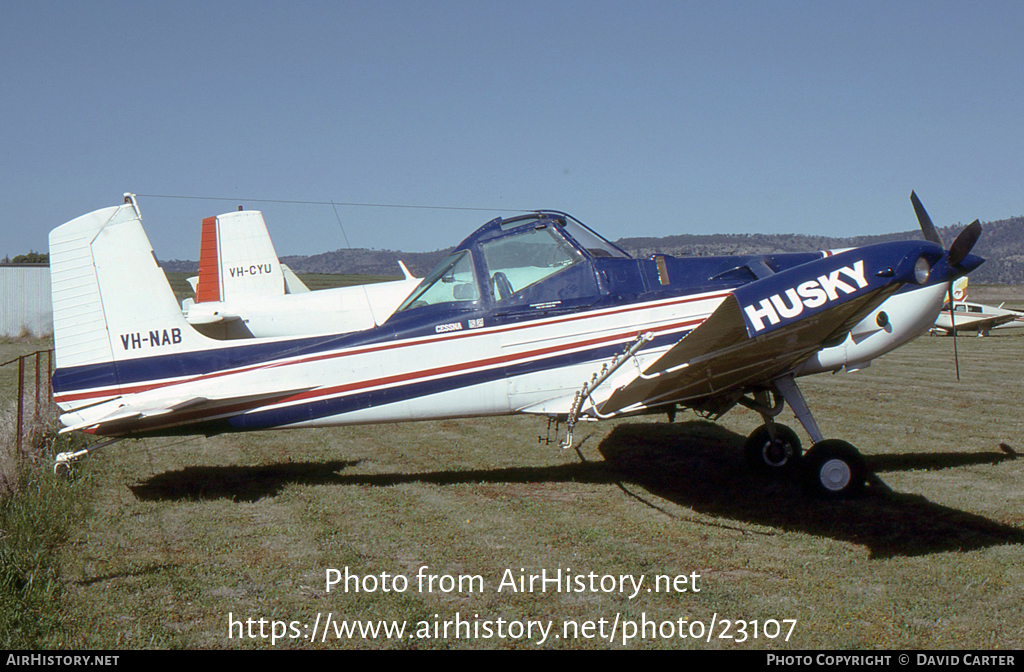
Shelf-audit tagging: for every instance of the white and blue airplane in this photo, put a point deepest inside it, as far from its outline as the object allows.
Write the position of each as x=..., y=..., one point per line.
x=534, y=314
x=968, y=316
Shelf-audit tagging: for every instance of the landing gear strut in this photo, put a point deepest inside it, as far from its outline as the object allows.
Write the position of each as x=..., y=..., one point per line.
x=831, y=469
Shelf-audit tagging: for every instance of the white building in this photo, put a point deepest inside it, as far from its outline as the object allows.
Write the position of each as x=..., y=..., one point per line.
x=25, y=304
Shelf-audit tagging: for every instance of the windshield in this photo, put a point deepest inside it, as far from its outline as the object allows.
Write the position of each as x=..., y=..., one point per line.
x=453, y=280
x=523, y=259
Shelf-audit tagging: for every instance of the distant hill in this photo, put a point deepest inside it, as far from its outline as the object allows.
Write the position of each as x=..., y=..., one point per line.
x=1001, y=243
x=366, y=262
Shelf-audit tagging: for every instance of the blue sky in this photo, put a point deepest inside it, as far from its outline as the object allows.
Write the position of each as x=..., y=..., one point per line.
x=640, y=117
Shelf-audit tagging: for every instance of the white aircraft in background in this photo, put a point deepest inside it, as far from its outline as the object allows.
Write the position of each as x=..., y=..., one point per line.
x=975, y=316
x=244, y=291
x=534, y=314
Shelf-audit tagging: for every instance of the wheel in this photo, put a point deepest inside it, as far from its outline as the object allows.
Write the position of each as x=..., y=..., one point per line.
x=834, y=469
x=62, y=469
x=772, y=457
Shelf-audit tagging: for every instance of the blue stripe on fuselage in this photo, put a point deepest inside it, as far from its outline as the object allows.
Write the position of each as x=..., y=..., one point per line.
x=160, y=368
x=306, y=411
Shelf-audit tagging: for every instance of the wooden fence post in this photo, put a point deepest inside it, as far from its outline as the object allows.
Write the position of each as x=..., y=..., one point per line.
x=21, y=403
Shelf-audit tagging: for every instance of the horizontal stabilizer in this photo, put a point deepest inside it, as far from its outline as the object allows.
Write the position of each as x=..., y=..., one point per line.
x=167, y=412
x=215, y=318
x=292, y=283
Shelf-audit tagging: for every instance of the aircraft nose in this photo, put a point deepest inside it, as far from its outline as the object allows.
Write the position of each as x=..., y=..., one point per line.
x=968, y=264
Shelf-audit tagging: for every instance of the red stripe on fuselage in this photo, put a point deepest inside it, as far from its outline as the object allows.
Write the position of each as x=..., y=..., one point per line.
x=359, y=350
x=478, y=364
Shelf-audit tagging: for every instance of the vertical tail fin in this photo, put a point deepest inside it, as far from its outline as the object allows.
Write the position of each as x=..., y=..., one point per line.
x=111, y=301
x=960, y=289
x=237, y=259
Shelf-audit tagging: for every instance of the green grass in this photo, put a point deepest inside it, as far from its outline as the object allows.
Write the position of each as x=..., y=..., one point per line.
x=37, y=511
x=35, y=524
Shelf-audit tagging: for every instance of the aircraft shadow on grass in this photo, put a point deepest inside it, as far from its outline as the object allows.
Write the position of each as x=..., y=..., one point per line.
x=697, y=465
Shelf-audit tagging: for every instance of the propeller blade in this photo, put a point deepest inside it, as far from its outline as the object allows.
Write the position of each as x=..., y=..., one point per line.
x=958, y=251
x=952, y=325
x=927, y=228
x=963, y=244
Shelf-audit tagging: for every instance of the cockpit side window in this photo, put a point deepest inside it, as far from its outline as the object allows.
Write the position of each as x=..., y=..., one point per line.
x=451, y=281
x=524, y=259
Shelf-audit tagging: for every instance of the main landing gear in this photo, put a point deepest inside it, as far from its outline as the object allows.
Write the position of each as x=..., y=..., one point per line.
x=831, y=469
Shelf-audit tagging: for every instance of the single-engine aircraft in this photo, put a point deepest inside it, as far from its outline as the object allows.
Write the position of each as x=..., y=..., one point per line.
x=977, y=317
x=534, y=313
x=968, y=316
x=244, y=291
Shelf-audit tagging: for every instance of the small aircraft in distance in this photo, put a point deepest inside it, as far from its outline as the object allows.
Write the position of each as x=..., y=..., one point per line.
x=534, y=313
x=978, y=317
x=244, y=291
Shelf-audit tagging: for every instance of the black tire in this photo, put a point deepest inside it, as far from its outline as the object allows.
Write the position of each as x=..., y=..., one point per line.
x=833, y=469
x=766, y=456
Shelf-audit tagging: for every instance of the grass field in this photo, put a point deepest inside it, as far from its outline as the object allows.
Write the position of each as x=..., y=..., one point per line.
x=184, y=534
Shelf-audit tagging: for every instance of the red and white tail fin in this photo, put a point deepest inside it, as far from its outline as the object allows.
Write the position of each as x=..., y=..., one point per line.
x=960, y=289
x=237, y=260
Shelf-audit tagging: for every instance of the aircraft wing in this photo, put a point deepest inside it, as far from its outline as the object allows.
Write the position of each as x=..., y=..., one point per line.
x=999, y=319
x=989, y=322
x=967, y=322
x=746, y=342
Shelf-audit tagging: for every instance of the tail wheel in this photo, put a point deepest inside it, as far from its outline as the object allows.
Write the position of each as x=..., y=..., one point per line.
x=773, y=456
x=834, y=469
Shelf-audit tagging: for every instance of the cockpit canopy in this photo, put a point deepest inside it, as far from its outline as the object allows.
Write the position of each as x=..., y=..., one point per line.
x=541, y=257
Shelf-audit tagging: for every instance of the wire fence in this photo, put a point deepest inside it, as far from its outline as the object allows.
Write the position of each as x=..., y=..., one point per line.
x=33, y=405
